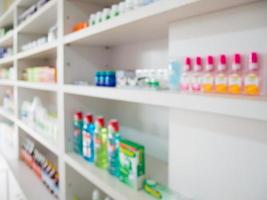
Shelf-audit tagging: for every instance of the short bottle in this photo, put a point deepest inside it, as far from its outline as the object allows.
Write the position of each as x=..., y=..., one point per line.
x=196, y=78
x=77, y=133
x=208, y=77
x=221, y=79
x=185, y=79
x=101, y=143
x=88, y=138
x=252, y=77
x=235, y=77
x=113, y=147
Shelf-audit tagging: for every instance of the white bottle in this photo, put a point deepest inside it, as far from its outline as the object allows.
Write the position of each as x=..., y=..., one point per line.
x=95, y=195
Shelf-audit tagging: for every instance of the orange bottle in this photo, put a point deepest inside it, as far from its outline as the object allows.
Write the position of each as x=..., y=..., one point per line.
x=208, y=77
x=221, y=79
x=252, y=77
x=235, y=82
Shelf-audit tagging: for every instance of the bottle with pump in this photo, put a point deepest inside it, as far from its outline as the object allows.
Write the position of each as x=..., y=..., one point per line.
x=221, y=79
x=88, y=138
x=101, y=143
x=113, y=147
x=252, y=77
x=235, y=77
x=185, y=79
x=77, y=133
x=196, y=80
x=208, y=78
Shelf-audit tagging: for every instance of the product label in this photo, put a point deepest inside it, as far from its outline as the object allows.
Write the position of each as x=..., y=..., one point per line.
x=208, y=79
x=221, y=79
x=252, y=79
x=251, y=84
x=87, y=144
x=196, y=82
x=185, y=82
x=235, y=79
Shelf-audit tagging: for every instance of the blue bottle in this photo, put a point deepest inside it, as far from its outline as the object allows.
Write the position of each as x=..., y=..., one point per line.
x=113, y=147
x=88, y=138
x=175, y=69
x=77, y=133
x=110, y=79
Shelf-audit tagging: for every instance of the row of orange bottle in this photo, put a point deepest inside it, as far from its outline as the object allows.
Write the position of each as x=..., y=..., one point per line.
x=235, y=78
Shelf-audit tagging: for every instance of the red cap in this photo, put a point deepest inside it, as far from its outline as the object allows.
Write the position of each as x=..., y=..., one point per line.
x=223, y=59
x=254, y=57
x=78, y=116
x=188, y=61
x=210, y=60
x=100, y=121
x=199, y=61
x=88, y=118
x=237, y=58
x=114, y=123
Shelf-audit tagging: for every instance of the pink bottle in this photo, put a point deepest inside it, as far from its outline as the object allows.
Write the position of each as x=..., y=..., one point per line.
x=235, y=81
x=187, y=70
x=221, y=78
x=208, y=77
x=197, y=75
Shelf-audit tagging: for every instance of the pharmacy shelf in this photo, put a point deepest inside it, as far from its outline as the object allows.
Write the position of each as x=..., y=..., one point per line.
x=7, y=82
x=32, y=187
x=8, y=115
x=7, y=40
x=7, y=60
x=217, y=104
x=46, y=15
x=38, y=137
x=43, y=51
x=7, y=17
x=138, y=25
x=110, y=185
x=38, y=86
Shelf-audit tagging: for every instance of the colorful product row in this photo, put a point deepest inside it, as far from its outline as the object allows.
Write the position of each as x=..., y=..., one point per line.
x=43, y=168
x=40, y=74
x=235, y=77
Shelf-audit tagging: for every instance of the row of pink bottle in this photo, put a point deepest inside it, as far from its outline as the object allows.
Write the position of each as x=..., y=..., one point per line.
x=236, y=78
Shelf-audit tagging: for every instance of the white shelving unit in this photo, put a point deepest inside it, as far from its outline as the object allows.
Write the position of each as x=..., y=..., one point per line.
x=147, y=37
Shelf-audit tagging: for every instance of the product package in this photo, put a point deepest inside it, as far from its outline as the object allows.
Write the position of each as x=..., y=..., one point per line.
x=132, y=164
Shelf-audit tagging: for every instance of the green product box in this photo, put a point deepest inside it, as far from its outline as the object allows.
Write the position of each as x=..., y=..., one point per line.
x=132, y=164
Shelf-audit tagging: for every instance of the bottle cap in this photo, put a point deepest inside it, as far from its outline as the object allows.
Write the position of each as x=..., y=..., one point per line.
x=100, y=121
x=188, y=64
x=114, y=124
x=253, y=57
x=78, y=116
x=222, y=59
x=198, y=66
x=210, y=63
x=199, y=61
x=237, y=59
x=88, y=118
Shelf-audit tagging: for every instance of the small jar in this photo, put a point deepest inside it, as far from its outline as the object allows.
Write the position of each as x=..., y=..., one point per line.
x=110, y=79
x=114, y=11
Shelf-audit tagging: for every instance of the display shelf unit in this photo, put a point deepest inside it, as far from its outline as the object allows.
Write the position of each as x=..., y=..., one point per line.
x=169, y=123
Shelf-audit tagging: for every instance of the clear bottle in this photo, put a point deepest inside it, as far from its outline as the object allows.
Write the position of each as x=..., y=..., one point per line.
x=196, y=80
x=252, y=77
x=221, y=79
x=113, y=147
x=88, y=138
x=208, y=77
x=185, y=79
x=235, y=76
x=101, y=143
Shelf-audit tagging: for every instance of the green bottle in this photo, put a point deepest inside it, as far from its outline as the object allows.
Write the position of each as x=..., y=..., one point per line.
x=101, y=143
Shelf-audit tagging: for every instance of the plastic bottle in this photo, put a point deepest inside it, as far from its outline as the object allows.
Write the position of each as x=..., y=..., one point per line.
x=252, y=77
x=88, y=138
x=96, y=195
x=77, y=133
x=113, y=147
x=185, y=79
x=208, y=77
x=221, y=79
x=174, y=75
x=235, y=77
x=196, y=77
x=110, y=79
x=101, y=143
x=114, y=11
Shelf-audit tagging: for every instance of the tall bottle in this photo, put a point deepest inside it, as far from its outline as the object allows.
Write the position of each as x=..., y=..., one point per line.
x=77, y=133
x=252, y=78
x=101, y=143
x=208, y=77
x=185, y=79
x=113, y=147
x=196, y=77
x=88, y=138
x=235, y=78
x=221, y=78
